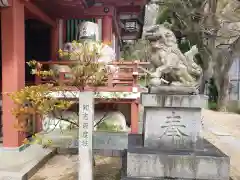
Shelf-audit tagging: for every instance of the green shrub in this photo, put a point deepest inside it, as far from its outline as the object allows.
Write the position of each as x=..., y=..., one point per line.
x=212, y=105
x=212, y=89
x=109, y=127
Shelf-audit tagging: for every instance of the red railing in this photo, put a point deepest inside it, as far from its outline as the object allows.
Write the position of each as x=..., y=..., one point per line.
x=123, y=81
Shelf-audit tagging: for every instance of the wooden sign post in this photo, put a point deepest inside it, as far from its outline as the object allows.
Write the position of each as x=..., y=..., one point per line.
x=86, y=116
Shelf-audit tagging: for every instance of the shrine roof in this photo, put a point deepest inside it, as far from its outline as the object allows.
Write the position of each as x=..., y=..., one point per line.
x=71, y=8
x=121, y=10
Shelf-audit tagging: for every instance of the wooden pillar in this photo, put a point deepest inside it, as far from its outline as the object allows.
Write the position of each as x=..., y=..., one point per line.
x=134, y=117
x=13, y=67
x=107, y=29
x=55, y=41
x=60, y=33
x=99, y=22
x=64, y=31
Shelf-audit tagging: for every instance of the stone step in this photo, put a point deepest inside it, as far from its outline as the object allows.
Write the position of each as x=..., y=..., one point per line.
x=21, y=165
x=144, y=163
x=153, y=178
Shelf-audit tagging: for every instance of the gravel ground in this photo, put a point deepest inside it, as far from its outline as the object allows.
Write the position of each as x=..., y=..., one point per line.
x=64, y=167
x=222, y=129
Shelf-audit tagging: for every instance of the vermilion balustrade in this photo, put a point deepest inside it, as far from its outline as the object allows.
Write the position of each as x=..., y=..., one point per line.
x=123, y=81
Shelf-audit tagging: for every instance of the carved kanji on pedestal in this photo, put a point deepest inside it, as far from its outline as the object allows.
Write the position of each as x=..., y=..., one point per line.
x=172, y=126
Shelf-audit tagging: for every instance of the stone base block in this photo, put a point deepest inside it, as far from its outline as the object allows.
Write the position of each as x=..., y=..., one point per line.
x=101, y=140
x=174, y=128
x=210, y=164
x=173, y=121
x=177, y=101
x=187, y=90
x=22, y=165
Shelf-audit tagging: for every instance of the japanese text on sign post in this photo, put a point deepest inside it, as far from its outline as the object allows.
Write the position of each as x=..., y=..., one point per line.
x=84, y=142
x=86, y=115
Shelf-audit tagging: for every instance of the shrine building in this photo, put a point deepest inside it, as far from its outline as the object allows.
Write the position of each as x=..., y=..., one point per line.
x=36, y=29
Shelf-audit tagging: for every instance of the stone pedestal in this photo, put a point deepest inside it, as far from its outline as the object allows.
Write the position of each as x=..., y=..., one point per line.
x=172, y=121
x=156, y=163
x=171, y=146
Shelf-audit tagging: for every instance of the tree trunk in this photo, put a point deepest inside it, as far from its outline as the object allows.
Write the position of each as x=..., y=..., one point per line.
x=223, y=63
x=222, y=84
x=202, y=87
x=207, y=69
x=204, y=81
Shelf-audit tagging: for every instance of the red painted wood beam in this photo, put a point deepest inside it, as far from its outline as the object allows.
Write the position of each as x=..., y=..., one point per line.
x=32, y=8
x=76, y=3
x=130, y=9
x=123, y=2
x=145, y=2
x=84, y=3
x=100, y=11
x=13, y=68
x=93, y=12
x=107, y=29
x=117, y=28
x=54, y=41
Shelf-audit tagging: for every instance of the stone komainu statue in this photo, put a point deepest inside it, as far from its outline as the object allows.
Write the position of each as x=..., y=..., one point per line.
x=168, y=61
